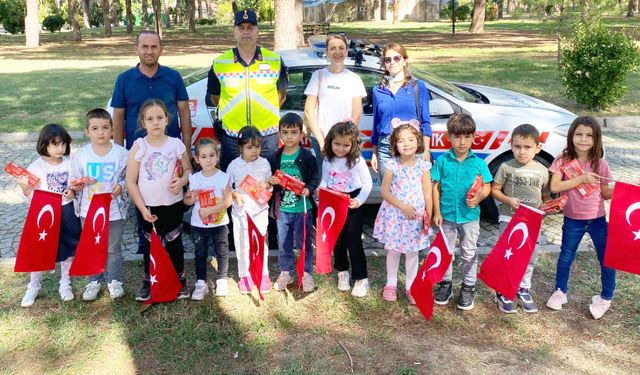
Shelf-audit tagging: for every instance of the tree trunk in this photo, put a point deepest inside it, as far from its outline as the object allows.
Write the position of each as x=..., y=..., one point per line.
x=74, y=22
x=32, y=25
x=167, y=23
x=192, y=15
x=106, y=18
x=631, y=7
x=200, y=9
x=115, y=15
x=127, y=5
x=234, y=7
x=288, y=32
x=145, y=14
x=396, y=6
x=210, y=8
x=156, y=17
x=500, y=9
x=85, y=13
x=477, y=20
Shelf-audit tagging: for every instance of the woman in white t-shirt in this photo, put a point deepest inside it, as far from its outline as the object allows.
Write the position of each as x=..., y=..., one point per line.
x=334, y=94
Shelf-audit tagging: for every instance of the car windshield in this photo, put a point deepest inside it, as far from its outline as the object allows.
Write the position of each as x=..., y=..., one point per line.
x=443, y=85
x=196, y=76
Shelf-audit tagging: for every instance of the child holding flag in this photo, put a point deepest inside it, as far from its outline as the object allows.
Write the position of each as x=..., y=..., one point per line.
x=289, y=207
x=576, y=173
x=209, y=223
x=521, y=180
x=456, y=209
x=156, y=189
x=403, y=219
x=249, y=165
x=53, y=168
x=105, y=163
x=345, y=171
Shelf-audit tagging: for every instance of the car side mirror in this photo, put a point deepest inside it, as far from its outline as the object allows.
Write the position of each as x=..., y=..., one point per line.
x=440, y=107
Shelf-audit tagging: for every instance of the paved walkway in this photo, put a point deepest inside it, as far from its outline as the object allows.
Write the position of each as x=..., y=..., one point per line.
x=623, y=155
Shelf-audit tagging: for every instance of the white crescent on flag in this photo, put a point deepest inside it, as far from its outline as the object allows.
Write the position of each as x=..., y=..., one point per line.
x=46, y=208
x=331, y=212
x=435, y=250
x=254, y=236
x=630, y=210
x=525, y=233
x=99, y=212
x=153, y=261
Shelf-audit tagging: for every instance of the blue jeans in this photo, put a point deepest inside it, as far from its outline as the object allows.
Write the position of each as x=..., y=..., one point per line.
x=384, y=154
x=218, y=237
x=290, y=225
x=572, y=232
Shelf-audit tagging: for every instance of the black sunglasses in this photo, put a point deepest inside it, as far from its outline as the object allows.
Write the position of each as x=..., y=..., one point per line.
x=396, y=59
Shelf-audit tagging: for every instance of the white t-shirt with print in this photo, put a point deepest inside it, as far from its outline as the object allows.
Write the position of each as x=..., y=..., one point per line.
x=238, y=170
x=336, y=94
x=52, y=177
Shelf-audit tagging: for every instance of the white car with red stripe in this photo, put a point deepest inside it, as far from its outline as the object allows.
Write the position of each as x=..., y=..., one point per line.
x=495, y=111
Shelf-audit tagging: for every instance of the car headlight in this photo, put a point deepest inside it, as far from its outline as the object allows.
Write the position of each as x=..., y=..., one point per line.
x=562, y=130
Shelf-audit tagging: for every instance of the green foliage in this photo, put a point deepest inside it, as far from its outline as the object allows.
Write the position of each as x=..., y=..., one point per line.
x=595, y=62
x=95, y=15
x=463, y=12
x=12, y=13
x=47, y=8
x=205, y=21
x=53, y=23
x=491, y=11
x=223, y=13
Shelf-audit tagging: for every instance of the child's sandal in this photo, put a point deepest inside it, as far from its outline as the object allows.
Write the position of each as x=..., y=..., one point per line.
x=389, y=293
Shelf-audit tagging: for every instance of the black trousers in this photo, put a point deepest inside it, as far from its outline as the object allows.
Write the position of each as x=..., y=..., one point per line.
x=169, y=229
x=349, y=244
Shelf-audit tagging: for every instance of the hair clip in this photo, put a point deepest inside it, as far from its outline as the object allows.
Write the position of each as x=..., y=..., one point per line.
x=396, y=122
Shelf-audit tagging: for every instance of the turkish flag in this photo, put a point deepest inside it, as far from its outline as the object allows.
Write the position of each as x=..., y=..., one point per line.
x=507, y=262
x=623, y=240
x=256, y=254
x=431, y=272
x=91, y=253
x=165, y=283
x=39, y=242
x=332, y=213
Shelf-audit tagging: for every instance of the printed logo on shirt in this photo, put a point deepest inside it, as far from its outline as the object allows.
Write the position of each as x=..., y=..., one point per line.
x=105, y=176
x=339, y=181
x=57, y=181
x=156, y=166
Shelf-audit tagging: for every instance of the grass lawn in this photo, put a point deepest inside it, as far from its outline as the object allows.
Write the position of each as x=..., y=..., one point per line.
x=295, y=333
x=62, y=80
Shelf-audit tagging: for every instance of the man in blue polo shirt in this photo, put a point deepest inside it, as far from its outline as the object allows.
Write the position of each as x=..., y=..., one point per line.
x=149, y=80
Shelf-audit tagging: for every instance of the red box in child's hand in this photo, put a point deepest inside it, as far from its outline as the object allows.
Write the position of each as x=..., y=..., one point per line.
x=571, y=170
x=207, y=198
x=17, y=171
x=261, y=196
x=289, y=182
x=475, y=188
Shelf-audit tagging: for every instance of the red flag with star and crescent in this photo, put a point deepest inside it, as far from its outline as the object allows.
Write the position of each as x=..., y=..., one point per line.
x=332, y=213
x=39, y=242
x=623, y=239
x=164, y=281
x=504, y=267
x=91, y=253
x=433, y=268
x=256, y=254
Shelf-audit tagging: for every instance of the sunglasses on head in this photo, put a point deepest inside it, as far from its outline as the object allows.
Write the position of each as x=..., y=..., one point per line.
x=396, y=59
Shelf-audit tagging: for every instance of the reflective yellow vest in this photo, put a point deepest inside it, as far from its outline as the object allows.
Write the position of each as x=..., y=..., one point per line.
x=248, y=95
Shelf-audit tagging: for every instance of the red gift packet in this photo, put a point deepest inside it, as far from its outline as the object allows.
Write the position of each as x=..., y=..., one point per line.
x=177, y=169
x=17, y=171
x=289, y=182
x=261, y=196
x=571, y=170
x=207, y=198
x=84, y=180
x=554, y=205
x=475, y=188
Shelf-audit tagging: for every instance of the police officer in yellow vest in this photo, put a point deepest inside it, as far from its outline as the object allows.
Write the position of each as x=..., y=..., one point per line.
x=248, y=83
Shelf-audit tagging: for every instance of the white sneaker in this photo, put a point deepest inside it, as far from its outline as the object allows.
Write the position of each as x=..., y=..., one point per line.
x=599, y=306
x=66, y=293
x=201, y=289
x=222, y=288
x=557, y=299
x=115, y=289
x=360, y=288
x=283, y=280
x=343, y=281
x=308, y=285
x=30, y=296
x=90, y=291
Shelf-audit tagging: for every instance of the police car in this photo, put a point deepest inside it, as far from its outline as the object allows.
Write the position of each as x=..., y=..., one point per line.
x=495, y=111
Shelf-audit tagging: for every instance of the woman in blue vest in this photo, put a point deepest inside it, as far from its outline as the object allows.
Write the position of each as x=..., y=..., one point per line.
x=395, y=101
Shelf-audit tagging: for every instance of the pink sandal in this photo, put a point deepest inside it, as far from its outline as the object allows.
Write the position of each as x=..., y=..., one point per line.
x=389, y=293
